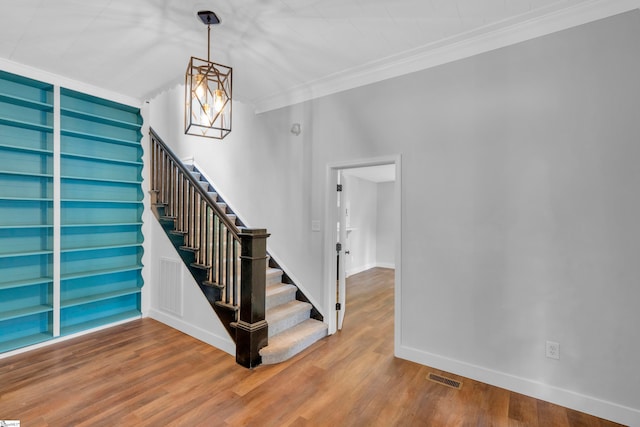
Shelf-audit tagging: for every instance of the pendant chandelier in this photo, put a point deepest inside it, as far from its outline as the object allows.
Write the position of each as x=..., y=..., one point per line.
x=207, y=92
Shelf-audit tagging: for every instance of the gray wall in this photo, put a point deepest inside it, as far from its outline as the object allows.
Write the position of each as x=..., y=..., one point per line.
x=387, y=215
x=372, y=215
x=361, y=196
x=519, y=205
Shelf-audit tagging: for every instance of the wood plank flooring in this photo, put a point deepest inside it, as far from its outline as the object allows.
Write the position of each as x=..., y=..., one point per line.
x=144, y=373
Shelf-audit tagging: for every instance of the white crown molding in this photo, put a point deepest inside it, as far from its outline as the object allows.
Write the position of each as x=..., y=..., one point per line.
x=502, y=34
x=66, y=82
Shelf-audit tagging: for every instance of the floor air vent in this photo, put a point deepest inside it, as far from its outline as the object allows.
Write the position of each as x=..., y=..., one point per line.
x=444, y=381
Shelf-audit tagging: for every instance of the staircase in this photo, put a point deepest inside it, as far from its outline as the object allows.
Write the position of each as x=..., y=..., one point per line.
x=291, y=329
x=293, y=323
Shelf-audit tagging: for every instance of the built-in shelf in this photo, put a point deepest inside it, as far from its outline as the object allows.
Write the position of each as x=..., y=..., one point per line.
x=14, y=314
x=104, y=224
x=101, y=159
x=27, y=199
x=25, y=283
x=99, y=297
x=100, y=119
x=98, y=138
x=26, y=149
x=96, y=323
x=25, y=227
x=26, y=211
x=105, y=180
x=99, y=248
x=23, y=102
x=28, y=174
x=124, y=202
x=24, y=341
x=26, y=125
x=26, y=253
x=93, y=273
x=100, y=211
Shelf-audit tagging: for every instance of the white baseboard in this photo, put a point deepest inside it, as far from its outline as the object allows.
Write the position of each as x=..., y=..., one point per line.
x=386, y=265
x=366, y=267
x=360, y=269
x=223, y=343
x=567, y=398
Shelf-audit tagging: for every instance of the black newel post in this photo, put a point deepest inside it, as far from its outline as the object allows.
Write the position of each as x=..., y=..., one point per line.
x=251, y=329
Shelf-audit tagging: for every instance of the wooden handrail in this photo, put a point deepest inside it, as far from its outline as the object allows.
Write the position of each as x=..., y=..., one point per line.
x=187, y=173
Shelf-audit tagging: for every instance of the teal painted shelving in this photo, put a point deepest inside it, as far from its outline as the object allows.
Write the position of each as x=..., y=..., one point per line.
x=101, y=212
x=107, y=314
x=26, y=211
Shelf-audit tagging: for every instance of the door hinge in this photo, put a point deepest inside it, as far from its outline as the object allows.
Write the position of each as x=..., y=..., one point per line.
x=339, y=188
x=338, y=306
x=338, y=247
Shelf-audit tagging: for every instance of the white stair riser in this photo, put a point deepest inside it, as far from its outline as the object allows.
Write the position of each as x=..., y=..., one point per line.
x=280, y=298
x=274, y=279
x=289, y=321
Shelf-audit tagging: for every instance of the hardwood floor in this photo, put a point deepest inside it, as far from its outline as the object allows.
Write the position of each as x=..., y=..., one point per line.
x=144, y=373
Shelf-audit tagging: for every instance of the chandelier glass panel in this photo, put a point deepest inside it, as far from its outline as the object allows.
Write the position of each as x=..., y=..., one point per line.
x=208, y=92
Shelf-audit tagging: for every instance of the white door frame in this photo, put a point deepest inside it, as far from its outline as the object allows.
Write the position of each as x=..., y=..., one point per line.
x=331, y=237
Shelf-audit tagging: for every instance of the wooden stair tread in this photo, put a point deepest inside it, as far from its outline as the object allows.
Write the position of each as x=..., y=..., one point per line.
x=227, y=306
x=213, y=284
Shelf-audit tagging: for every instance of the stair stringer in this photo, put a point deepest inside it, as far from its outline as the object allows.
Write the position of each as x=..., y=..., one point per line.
x=275, y=260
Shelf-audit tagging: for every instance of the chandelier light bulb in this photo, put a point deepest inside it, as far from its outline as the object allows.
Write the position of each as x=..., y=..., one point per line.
x=200, y=86
x=218, y=100
x=205, y=115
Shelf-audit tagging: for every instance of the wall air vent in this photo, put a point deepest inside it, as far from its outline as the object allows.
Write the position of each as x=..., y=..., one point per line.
x=444, y=381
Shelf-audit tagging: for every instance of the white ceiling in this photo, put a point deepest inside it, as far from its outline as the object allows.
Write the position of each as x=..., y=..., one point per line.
x=141, y=47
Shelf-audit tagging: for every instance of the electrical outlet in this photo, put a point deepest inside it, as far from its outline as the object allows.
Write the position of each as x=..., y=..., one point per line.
x=553, y=350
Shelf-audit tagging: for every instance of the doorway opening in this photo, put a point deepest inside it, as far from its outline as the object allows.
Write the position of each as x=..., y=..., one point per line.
x=362, y=230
